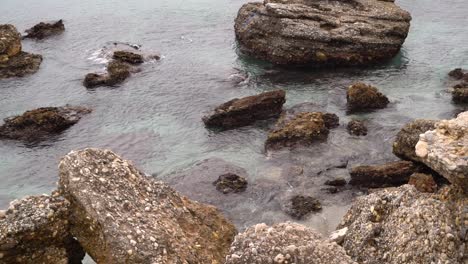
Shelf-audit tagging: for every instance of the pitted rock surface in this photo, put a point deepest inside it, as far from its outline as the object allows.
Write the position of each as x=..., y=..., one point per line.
x=119, y=215
x=408, y=137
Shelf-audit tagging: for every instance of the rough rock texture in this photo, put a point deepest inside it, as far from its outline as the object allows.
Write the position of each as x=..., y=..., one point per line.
x=321, y=32
x=445, y=150
x=230, y=183
x=121, y=216
x=10, y=41
x=336, y=182
x=35, y=230
x=44, y=30
x=357, y=128
x=117, y=72
x=459, y=74
x=460, y=92
x=303, y=128
x=390, y=174
x=408, y=137
x=39, y=123
x=245, y=111
x=423, y=182
x=403, y=225
x=128, y=57
x=301, y=205
x=284, y=243
x=361, y=97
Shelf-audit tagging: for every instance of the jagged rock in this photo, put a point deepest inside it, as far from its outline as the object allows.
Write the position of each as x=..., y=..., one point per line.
x=44, y=30
x=245, y=111
x=338, y=236
x=284, y=243
x=390, y=174
x=322, y=32
x=14, y=62
x=423, y=182
x=299, y=206
x=37, y=124
x=445, y=150
x=10, y=40
x=35, y=230
x=459, y=74
x=361, y=96
x=357, y=128
x=403, y=225
x=460, y=92
x=119, y=215
x=117, y=72
x=128, y=57
x=303, y=128
x=408, y=137
x=230, y=182
x=336, y=182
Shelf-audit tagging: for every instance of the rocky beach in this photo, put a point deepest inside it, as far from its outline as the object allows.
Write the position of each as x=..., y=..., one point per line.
x=276, y=131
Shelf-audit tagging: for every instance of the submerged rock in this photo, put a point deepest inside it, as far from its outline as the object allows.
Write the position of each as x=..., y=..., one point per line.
x=459, y=74
x=408, y=137
x=284, y=243
x=128, y=57
x=117, y=72
x=460, y=92
x=303, y=128
x=13, y=61
x=39, y=123
x=403, y=225
x=247, y=110
x=445, y=150
x=230, y=182
x=35, y=230
x=301, y=205
x=390, y=174
x=44, y=30
x=361, y=96
x=336, y=182
x=119, y=215
x=357, y=128
x=322, y=32
x=423, y=182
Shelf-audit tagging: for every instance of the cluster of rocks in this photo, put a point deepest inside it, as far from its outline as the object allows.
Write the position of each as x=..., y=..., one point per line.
x=460, y=90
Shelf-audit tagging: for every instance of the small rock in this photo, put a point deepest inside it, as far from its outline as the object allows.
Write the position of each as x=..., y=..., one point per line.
x=117, y=73
x=423, y=182
x=406, y=140
x=10, y=41
x=44, y=30
x=460, y=92
x=457, y=73
x=128, y=57
x=336, y=182
x=338, y=235
x=230, y=182
x=361, y=96
x=357, y=128
x=390, y=174
x=301, y=205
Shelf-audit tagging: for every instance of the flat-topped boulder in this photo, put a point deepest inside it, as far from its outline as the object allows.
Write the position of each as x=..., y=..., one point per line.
x=245, y=111
x=38, y=124
x=119, y=215
x=284, y=243
x=35, y=230
x=322, y=32
x=389, y=174
x=445, y=150
x=45, y=30
x=362, y=97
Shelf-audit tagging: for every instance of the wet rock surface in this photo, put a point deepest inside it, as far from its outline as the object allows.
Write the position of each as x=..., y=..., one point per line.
x=390, y=174
x=38, y=124
x=284, y=243
x=10, y=41
x=408, y=137
x=230, y=183
x=403, y=225
x=119, y=215
x=45, y=30
x=354, y=32
x=423, y=182
x=459, y=74
x=35, y=230
x=445, y=150
x=460, y=92
x=117, y=72
x=303, y=128
x=128, y=57
x=336, y=182
x=301, y=205
x=247, y=110
x=357, y=128
x=362, y=97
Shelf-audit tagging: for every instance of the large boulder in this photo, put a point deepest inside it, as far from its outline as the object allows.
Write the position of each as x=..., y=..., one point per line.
x=361, y=97
x=10, y=41
x=389, y=174
x=119, y=215
x=284, y=243
x=403, y=225
x=44, y=30
x=445, y=150
x=322, y=32
x=245, y=111
x=38, y=124
x=303, y=128
x=35, y=230
x=408, y=137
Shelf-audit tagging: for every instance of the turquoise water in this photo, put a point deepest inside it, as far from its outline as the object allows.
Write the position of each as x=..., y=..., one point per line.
x=154, y=118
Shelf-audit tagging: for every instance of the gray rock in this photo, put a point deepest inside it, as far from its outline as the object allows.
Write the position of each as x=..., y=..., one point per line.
x=322, y=32
x=408, y=137
x=121, y=216
x=284, y=243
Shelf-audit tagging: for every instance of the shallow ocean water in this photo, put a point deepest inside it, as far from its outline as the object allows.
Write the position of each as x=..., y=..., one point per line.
x=154, y=118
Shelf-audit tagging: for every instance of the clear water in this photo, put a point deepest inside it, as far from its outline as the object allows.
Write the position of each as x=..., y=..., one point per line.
x=154, y=118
